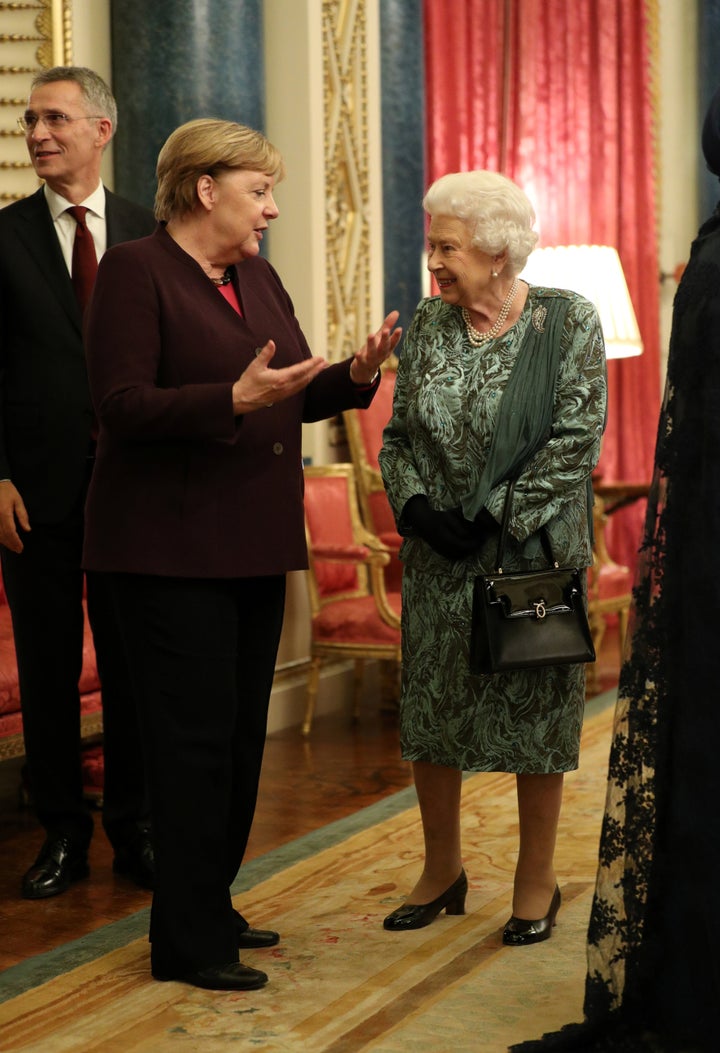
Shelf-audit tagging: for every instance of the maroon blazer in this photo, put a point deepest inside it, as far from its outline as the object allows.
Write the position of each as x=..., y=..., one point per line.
x=181, y=486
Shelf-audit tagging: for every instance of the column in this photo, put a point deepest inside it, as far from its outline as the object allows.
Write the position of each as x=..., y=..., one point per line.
x=403, y=153
x=173, y=61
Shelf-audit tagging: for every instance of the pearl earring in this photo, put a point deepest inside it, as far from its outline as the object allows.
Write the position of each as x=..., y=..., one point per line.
x=494, y=274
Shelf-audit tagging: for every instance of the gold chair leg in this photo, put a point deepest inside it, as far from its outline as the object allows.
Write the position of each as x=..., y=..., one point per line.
x=311, y=695
x=597, y=631
x=623, y=614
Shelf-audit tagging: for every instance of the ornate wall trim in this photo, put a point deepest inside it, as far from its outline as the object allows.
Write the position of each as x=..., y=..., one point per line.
x=34, y=35
x=347, y=165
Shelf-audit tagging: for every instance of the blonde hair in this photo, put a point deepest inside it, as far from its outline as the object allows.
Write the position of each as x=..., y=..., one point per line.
x=496, y=211
x=208, y=146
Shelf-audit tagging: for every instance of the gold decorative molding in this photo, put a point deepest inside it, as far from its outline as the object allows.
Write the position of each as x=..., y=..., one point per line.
x=345, y=47
x=33, y=36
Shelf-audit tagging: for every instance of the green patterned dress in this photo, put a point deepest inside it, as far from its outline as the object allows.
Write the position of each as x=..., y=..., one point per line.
x=446, y=398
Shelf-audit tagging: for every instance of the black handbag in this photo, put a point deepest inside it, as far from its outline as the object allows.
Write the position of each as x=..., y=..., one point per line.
x=529, y=618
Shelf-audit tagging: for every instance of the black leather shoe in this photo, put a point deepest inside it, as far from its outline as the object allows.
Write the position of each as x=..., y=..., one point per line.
x=254, y=939
x=417, y=916
x=136, y=861
x=519, y=932
x=59, y=863
x=232, y=977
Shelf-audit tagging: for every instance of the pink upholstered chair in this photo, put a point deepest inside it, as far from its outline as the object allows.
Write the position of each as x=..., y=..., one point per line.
x=364, y=432
x=353, y=615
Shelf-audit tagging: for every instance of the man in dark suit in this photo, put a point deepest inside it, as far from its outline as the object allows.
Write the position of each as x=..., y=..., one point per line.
x=46, y=456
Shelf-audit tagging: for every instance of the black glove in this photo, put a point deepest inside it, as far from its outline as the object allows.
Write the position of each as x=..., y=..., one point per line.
x=446, y=531
x=485, y=526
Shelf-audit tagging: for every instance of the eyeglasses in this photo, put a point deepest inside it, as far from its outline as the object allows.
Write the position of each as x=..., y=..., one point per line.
x=54, y=122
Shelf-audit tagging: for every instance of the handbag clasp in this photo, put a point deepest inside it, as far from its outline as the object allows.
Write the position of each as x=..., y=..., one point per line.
x=539, y=606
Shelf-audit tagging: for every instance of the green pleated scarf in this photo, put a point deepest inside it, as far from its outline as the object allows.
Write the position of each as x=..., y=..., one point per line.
x=524, y=417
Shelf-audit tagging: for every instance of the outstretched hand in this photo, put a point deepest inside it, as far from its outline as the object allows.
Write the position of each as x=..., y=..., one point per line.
x=13, y=514
x=259, y=386
x=378, y=347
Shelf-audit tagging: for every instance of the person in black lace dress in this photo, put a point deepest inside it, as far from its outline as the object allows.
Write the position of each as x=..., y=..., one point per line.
x=653, y=979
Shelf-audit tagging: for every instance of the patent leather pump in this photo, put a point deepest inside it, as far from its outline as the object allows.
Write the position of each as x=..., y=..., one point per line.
x=519, y=932
x=417, y=915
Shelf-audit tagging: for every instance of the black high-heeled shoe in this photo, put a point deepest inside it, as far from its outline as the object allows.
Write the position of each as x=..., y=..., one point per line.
x=519, y=932
x=417, y=915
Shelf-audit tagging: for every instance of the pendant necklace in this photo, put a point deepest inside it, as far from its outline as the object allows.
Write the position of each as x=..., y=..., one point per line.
x=224, y=279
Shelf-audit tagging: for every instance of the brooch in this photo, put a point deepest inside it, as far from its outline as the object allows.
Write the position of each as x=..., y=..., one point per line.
x=538, y=318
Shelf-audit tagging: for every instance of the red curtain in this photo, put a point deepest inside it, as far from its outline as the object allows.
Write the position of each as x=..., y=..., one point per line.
x=556, y=94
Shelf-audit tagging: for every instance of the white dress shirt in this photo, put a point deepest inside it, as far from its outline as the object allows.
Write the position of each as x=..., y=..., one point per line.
x=65, y=224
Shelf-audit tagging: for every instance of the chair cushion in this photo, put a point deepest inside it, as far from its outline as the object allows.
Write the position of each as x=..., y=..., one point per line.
x=612, y=580
x=383, y=520
x=356, y=622
x=373, y=419
x=392, y=540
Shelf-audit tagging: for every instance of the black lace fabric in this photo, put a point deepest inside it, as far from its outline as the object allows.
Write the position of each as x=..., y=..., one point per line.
x=653, y=945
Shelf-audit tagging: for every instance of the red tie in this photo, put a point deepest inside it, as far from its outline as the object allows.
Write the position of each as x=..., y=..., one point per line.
x=84, y=260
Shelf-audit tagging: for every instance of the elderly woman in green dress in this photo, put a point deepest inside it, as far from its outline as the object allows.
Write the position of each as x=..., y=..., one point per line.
x=448, y=452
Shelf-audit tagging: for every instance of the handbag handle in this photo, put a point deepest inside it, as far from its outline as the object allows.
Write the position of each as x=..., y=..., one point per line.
x=504, y=526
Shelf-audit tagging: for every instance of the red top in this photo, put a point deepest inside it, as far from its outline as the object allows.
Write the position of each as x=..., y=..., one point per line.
x=228, y=291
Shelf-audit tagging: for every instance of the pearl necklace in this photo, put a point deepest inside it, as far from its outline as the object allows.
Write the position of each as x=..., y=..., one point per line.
x=224, y=279
x=476, y=338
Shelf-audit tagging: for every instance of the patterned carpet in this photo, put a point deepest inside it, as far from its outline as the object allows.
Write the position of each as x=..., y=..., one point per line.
x=338, y=982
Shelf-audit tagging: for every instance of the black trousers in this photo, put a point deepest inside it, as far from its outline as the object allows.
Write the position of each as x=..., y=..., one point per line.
x=202, y=654
x=44, y=586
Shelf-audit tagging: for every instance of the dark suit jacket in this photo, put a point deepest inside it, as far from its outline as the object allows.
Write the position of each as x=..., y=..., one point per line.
x=45, y=408
x=181, y=486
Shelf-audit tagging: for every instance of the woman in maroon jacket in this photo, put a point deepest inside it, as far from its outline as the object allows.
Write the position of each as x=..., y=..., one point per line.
x=201, y=380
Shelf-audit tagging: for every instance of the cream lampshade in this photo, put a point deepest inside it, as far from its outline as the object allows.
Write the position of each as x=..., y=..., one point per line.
x=595, y=272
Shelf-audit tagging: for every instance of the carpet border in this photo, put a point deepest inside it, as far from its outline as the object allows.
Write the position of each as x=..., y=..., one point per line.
x=23, y=977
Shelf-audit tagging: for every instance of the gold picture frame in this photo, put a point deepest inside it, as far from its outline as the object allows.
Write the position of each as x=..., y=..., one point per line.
x=34, y=35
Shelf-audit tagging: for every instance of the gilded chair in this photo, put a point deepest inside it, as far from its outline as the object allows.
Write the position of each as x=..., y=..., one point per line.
x=364, y=430
x=609, y=588
x=353, y=616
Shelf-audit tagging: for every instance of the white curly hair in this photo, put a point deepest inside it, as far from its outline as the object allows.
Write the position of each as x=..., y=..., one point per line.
x=496, y=211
